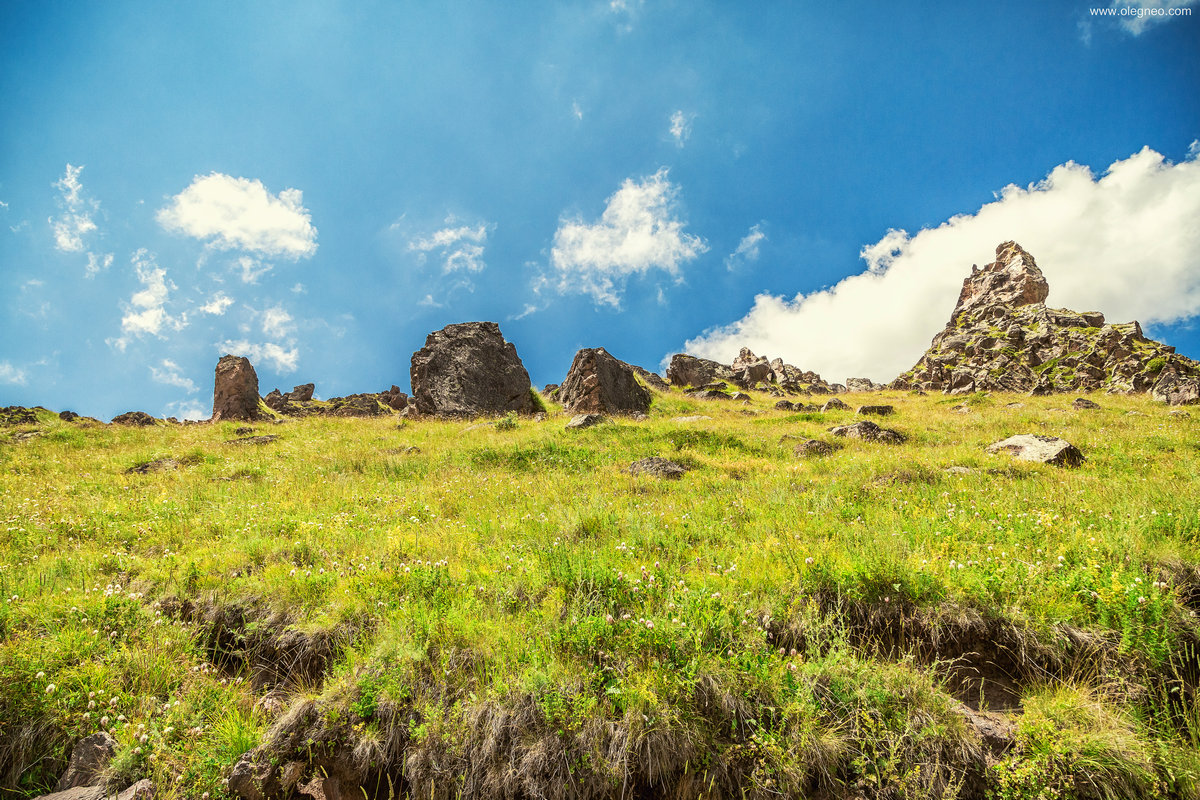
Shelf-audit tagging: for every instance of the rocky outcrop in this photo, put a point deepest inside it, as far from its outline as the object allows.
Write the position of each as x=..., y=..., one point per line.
x=580, y=421
x=652, y=379
x=301, y=393
x=862, y=385
x=136, y=418
x=1002, y=336
x=235, y=390
x=468, y=369
x=368, y=404
x=598, y=383
x=749, y=369
x=685, y=370
x=1042, y=449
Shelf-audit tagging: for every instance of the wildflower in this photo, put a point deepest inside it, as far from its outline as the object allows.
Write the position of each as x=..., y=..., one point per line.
x=103, y=721
x=41, y=675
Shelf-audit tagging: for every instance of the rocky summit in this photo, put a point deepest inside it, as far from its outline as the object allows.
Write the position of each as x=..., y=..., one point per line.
x=1003, y=337
x=748, y=371
x=598, y=383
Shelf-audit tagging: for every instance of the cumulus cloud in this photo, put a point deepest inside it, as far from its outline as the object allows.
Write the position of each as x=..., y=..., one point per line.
x=238, y=213
x=639, y=231
x=460, y=248
x=217, y=305
x=681, y=127
x=11, y=374
x=252, y=268
x=168, y=372
x=276, y=322
x=145, y=313
x=75, y=221
x=1125, y=243
x=285, y=358
x=186, y=409
x=747, y=249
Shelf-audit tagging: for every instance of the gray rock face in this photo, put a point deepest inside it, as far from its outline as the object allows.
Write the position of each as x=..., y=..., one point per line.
x=1013, y=279
x=749, y=369
x=1043, y=449
x=862, y=385
x=598, y=383
x=235, y=389
x=88, y=759
x=1178, y=384
x=1082, y=404
x=658, y=467
x=835, y=405
x=142, y=790
x=686, y=370
x=469, y=369
x=870, y=432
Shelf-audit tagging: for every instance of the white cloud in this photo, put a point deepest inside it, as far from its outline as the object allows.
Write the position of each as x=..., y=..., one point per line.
x=4, y=205
x=276, y=322
x=146, y=313
x=638, y=232
x=429, y=302
x=284, y=360
x=217, y=305
x=1125, y=243
x=747, y=249
x=186, y=409
x=98, y=263
x=168, y=372
x=11, y=374
x=1137, y=16
x=253, y=268
x=681, y=127
x=299, y=288
x=238, y=213
x=75, y=221
x=576, y=111
x=460, y=248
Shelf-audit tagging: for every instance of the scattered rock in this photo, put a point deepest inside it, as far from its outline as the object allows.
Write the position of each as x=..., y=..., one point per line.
x=89, y=758
x=812, y=447
x=585, y=421
x=469, y=369
x=956, y=470
x=833, y=404
x=658, y=467
x=749, y=369
x=961, y=408
x=863, y=385
x=1043, y=449
x=598, y=383
x=541, y=416
x=254, y=440
x=685, y=370
x=1178, y=412
x=785, y=405
x=136, y=418
x=640, y=417
x=407, y=450
x=243, y=431
x=1082, y=404
x=68, y=416
x=18, y=415
x=870, y=432
x=878, y=411
x=710, y=394
x=235, y=390
x=693, y=418
x=1001, y=336
x=158, y=465
x=742, y=396
x=1014, y=405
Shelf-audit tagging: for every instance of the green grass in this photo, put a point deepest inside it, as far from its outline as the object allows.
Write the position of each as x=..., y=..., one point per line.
x=766, y=626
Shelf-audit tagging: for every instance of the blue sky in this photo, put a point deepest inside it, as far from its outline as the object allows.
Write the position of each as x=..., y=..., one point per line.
x=319, y=185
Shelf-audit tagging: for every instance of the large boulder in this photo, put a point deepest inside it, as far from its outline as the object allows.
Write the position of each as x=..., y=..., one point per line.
x=749, y=369
x=469, y=369
x=685, y=370
x=598, y=383
x=1043, y=449
x=869, y=432
x=235, y=390
x=301, y=393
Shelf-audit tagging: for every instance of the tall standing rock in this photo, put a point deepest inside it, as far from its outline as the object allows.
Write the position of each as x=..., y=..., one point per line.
x=685, y=370
x=469, y=369
x=1002, y=337
x=598, y=383
x=235, y=389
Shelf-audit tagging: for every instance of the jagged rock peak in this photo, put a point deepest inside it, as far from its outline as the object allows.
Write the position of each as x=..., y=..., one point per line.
x=1013, y=279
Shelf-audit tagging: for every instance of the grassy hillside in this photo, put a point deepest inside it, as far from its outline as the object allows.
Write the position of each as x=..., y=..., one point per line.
x=442, y=609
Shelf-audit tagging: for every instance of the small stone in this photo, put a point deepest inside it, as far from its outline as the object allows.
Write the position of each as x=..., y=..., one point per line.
x=879, y=411
x=1082, y=403
x=580, y=421
x=833, y=404
x=658, y=467
x=257, y=440
x=812, y=447
x=870, y=432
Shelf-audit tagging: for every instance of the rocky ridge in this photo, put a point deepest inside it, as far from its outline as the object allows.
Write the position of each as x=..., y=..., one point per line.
x=1003, y=337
